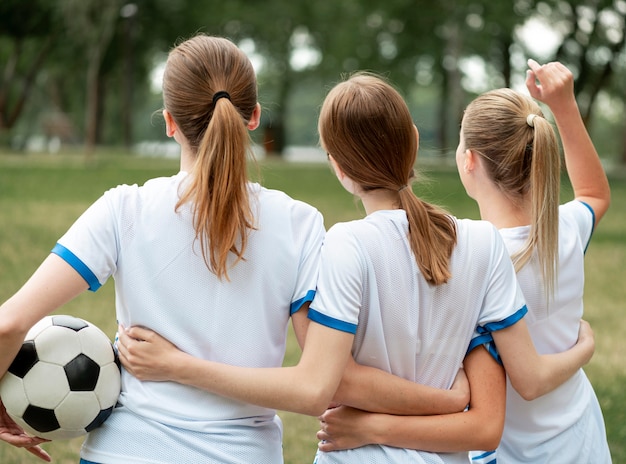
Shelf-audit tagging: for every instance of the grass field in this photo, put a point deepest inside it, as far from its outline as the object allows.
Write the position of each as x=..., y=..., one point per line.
x=41, y=196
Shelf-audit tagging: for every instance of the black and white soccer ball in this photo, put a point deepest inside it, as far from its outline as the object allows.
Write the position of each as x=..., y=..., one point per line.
x=65, y=380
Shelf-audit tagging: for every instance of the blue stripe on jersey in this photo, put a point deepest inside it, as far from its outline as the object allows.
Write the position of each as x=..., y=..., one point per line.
x=296, y=305
x=78, y=266
x=504, y=323
x=485, y=338
x=331, y=322
x=84, y=461
x=487, y=457
x=593, y=223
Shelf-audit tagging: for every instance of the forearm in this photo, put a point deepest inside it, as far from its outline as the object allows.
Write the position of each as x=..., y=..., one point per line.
x=445, y=433
x=306, y=388
x=375, y=390
x=10, y=343
x=286, y=388
x=555, y=369
x=533, y=375
x=583, y=164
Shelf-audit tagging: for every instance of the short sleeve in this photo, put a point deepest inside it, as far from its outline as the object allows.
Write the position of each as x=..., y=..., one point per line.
x=312, y=231
x=90, y=245
x=340, y=285
x=504, y=303
x=581, y=217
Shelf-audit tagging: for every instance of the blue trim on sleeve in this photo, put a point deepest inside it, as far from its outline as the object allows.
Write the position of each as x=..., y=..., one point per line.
x=482, y=457
x=331, y=322
x=296, y=305
x=78, y=265
x=504, y=323
x=485, y=338
x=593, y=223
x=480, y=340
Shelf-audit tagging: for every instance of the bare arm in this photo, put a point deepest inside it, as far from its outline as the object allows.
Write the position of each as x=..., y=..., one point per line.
x=480, y=427
x=533, y=375
x=556, y=89
x=54, y=283
x=375, y=390
x=306, y=388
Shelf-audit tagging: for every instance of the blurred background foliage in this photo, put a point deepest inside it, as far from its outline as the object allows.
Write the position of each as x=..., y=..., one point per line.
x=85, y=73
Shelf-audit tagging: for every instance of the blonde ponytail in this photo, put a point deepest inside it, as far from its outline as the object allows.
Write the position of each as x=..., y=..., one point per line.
x=521, y=156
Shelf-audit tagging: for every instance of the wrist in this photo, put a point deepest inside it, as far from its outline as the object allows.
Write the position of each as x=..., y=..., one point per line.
x=376, y=429
x=567, y=107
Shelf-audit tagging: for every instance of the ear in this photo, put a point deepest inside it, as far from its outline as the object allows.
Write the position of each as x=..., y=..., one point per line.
x=338, y=172
x=417, y=139
x=170, y=124
x=471, y=159
x=255, y=119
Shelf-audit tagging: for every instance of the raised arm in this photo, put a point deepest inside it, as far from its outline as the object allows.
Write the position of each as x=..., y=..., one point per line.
x=375, y=390
x=480, y=427
x=553, y=84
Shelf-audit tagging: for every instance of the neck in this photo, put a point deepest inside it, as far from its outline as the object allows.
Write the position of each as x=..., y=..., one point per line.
x=502, y=212
x=378, y=200
x=187, y=158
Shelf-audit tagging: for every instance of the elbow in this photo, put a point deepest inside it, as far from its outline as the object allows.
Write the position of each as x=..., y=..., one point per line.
x=490, y=442
x=319, y=402
x=317, y=399
x=489, y=434
x=12, y=329
x=527, y=390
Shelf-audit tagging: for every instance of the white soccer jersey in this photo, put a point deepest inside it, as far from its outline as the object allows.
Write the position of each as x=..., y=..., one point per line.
x=134, y=234
x=566, y=425
x=370, y=284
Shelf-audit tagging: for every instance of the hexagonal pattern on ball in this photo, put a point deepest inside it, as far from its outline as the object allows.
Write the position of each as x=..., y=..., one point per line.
x=74, y=410
x=13, y=395
x=50, y=375
x=50, y=350
x=96, y=345
x=109, y=385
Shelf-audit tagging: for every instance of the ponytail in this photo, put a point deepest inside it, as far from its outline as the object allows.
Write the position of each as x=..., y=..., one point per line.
x=209, y=88
x=432, y=235
x=367, y=128
x=522, y=157
x=218, y=189
x=544, y=188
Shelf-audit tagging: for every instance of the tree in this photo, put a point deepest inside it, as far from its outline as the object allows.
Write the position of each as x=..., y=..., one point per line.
x=27, y=34
x=92, y=23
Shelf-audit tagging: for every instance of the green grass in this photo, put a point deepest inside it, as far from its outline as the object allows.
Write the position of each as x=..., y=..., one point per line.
x=40, y=196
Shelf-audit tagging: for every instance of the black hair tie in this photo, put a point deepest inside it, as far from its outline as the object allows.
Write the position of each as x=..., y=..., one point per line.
x=220, y=94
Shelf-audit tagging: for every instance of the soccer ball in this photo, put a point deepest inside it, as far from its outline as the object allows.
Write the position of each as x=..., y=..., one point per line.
x=64, y=381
